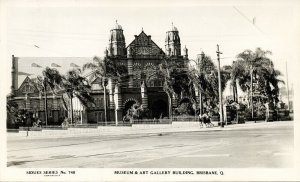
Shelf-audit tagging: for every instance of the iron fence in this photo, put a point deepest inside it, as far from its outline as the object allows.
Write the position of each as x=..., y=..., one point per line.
x=185, y=118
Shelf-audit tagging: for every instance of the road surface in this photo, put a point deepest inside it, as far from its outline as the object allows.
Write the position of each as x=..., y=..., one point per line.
x=265, y=146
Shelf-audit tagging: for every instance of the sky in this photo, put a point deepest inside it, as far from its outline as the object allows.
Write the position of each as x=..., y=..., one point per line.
x=76, y=28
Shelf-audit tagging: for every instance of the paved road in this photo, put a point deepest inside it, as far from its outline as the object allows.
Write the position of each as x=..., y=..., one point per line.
x=261, y=146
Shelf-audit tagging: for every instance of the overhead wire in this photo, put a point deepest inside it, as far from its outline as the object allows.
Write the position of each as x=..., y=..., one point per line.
x=248, y=20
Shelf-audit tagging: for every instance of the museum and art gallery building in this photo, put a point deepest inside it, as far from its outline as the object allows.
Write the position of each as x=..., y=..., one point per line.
x=141, y=57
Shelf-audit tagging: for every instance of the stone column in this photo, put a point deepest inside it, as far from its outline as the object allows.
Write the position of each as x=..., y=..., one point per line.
x=118, y=104
x=130, y=67
x=111, y=85
x=144, y=95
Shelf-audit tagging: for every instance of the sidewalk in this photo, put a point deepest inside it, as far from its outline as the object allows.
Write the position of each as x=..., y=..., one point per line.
x=115, y=131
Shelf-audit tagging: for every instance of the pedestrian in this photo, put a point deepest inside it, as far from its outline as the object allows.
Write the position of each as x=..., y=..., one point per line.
x=206, y=119
x=267, y=111
x=39, y=122
x=200, y=120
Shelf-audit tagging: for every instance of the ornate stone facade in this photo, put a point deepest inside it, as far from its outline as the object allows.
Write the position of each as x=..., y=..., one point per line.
x=141, y=57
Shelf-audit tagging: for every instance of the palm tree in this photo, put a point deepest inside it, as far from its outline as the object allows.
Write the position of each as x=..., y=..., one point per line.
x=228, y=75
x=74, y=85
x=256, y=65
x=51, y=79
x=105, y=69
x=176, y=80
x=205, y=77
x=166, y=72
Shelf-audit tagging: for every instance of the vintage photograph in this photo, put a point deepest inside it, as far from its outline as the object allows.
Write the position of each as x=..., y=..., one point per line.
x=146, y=85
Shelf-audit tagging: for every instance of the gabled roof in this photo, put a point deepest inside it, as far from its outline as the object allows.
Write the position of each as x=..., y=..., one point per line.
x=143, y=44
x=27, y=81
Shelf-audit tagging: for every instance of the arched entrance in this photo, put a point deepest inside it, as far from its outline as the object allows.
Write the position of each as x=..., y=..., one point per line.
x=159, y=108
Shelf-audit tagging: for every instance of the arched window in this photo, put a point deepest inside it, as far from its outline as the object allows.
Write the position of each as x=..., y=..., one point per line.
x=137, y=72
x=151, y=74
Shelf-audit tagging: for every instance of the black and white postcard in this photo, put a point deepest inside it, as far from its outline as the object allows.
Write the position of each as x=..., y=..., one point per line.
x=169, y=90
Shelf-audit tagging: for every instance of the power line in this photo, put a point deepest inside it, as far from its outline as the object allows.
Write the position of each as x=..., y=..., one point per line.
x=34, y=46
x=250, y=21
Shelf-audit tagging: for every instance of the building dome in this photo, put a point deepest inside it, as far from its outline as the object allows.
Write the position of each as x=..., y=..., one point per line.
x=173, y=35
x=117, y=26
x=116, y=46
x=173, y=28
x=116, y=34
x=172, y=42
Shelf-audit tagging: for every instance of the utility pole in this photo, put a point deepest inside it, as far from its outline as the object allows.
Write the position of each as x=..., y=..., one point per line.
x=287, y=85
x=200, y=92
x=220, y=88
x=45, y=101
x=251, y=91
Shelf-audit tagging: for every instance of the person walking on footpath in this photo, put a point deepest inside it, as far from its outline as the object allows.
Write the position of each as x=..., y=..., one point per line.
x=200, y=120
x=205, y=118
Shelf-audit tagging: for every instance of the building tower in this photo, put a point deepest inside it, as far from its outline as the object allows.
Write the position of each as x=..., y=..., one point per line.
x=129, y=67
x=185, y=53
x=116, y=46
x=172, y=42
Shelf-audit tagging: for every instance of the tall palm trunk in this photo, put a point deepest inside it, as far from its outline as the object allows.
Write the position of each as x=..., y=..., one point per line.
x=251, y=91
x=46, y=103
x=46, y=108
x=233, y=91
x=236, y=93
x=170, y=106
x=105, y=105
x=71, y=108
x=200, y=102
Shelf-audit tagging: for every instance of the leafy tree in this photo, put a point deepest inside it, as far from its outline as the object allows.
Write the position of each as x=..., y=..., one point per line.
x=16, y=117
x=205, y=77
x=12, y=114
x=168, y=70
x=50, y=81
x=74, y=85
x=105, y=69
x=136, y=112
x=255, y=66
